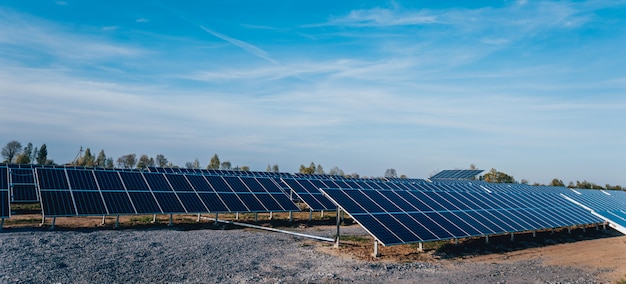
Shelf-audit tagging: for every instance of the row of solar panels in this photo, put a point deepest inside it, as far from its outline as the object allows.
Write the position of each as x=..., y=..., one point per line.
x=393, y=212
x=408, y=216
x=69, y=192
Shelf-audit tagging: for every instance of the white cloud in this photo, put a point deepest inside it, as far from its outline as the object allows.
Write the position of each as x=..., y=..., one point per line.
x=142, y=20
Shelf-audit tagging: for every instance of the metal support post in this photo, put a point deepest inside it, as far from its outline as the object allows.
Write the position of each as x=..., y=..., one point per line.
x=584, y=229
x=420, y=247
x=456, y=241
x=337, y=237
x=43, y=221
x=375, y=254
x=310, y=215
x=322, y=214
x=237, y=216
x=216, y=218
x=256, y=216
x=117, y=221
x=1, y=224
x=597, y=227
x=54, y=221
x=569, y=230
x=198, y=220
x=512, y=237
x=271, y=215
x=290, y=216
x=104, y=220
x=534, y=234
x=171, y=220
x=604, y=226
x=552, y=231
x=154, y=218
x=486, y=239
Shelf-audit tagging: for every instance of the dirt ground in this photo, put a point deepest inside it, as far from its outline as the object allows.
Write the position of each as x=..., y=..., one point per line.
x=587, y=249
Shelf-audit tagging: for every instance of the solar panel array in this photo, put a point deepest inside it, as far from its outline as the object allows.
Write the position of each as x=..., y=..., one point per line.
x=456, y=174
x=22, y=184
x=610, y=204
x=409, y=216
x=71, y=192
x=5, y=199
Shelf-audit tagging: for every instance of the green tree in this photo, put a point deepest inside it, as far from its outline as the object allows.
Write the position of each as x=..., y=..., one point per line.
x=275, y=168
x=109, y=163
x=101, y=159
x=42, y=156
x=161, y=161
x=308, y=170
x=21, y=158
x=245, y=168
x=269, y=168
x=27, y=153
x=87, y=160
x=11, y=150
x=145, y=162
x=556, y=182
x=214, y=164
x=127, y=161
x=495, y=176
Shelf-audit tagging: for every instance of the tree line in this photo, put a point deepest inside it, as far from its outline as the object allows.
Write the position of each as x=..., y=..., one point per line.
x=495, y=176
x=14, y=153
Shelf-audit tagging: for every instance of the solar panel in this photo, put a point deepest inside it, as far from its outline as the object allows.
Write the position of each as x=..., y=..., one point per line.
x=5, y=199
x=610, y=205
x=309, y=193
x=456, y=174
x=408, y=216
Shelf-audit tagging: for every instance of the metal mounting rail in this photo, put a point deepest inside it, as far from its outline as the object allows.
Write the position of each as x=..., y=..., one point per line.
x=271, y=229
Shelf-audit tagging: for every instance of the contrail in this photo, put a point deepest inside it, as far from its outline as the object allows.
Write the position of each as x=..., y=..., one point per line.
x=241, y=44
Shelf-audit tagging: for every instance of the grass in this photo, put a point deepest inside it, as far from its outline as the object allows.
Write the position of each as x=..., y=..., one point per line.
x=143, y=219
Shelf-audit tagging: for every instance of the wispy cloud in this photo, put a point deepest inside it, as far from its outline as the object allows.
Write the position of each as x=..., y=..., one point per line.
x=142, y=20
x=43, y=37
x=241, y=44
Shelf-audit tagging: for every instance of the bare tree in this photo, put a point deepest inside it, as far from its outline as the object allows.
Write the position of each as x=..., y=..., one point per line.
x=391, y=173
x=11, y=150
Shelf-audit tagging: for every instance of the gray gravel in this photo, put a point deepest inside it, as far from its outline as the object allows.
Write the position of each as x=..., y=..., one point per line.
x=158, y=255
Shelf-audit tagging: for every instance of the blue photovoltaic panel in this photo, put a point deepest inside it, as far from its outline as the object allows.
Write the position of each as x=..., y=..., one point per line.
x=89, y=203
x=22, y=176
x=610, y=204
x=403, y=216
x=134, y=181
x=5, y=199
x=309, y=193
x=169, y=202
x=118, y=202
x=179, y=183
x=144, y=202
x=109, y=180
x=213, y=202
x=81, y=180
x=456, y=174
x=157, y=182
x=57, y=203
x=50, y=179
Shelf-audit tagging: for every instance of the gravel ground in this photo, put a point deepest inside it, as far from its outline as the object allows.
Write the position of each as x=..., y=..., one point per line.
x=158, y=255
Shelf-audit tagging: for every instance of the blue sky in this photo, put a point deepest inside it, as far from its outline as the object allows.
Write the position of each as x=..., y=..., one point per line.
x=536, y=89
